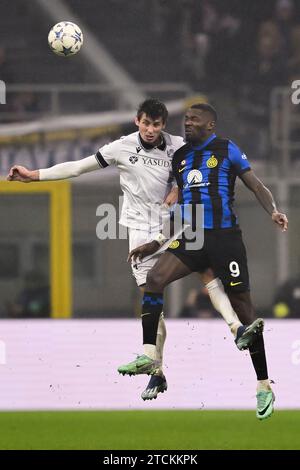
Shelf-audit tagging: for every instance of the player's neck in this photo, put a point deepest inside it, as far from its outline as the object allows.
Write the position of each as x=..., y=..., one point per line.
x=202, y=139
x=159, y=142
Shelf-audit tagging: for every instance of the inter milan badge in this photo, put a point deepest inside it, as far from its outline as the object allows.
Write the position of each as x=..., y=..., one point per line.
x=133, y=159
x=212, y=162
x=174, y=244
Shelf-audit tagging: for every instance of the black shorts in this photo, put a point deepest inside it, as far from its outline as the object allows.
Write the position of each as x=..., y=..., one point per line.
x=223, y=251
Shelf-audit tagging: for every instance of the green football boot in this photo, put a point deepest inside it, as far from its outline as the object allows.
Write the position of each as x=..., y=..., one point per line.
x=141, y=365
x=265, y=402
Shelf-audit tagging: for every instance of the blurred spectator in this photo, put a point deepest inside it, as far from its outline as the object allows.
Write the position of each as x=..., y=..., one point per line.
x=204, y=27
x=226, y=57
x=283, y=21
x=294, y=60
x=211, y=38
x=25, y=106
x=5, y=72
x=34, y=299
x=198, y=305
x=266, y=70
x=287, y=300
x=166, y=18
x=286, y=25
x=6, y=77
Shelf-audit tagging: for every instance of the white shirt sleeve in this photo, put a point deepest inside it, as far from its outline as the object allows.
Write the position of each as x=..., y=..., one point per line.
x=108, y=154
x=69, y=169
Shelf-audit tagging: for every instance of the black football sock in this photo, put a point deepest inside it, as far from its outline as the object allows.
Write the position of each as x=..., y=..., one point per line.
x=258, y=357
x=152, y=308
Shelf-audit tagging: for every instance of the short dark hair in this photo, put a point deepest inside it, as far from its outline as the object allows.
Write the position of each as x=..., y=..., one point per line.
x=154, y=109
x=207, y=108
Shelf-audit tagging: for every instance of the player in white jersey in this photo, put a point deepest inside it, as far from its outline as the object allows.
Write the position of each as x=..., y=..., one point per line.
x=146, y=181
x=144, y=161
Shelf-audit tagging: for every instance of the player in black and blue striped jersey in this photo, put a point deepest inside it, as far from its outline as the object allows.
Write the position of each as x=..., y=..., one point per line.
x=206, y=174
x=206, y=169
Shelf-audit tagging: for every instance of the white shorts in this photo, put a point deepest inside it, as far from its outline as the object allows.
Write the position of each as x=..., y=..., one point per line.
x=140, y=269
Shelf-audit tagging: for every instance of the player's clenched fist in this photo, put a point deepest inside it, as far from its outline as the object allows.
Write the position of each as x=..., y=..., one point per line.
x=20, y=173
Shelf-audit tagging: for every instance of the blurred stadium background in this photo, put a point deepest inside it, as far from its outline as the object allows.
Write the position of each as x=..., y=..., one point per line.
x=242, y=56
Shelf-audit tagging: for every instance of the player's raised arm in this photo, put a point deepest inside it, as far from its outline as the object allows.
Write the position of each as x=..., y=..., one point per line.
x=265, y=198
x=57, y=172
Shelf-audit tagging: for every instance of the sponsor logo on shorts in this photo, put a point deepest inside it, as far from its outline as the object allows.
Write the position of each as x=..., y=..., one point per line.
x=235, y=283
x=174, y=244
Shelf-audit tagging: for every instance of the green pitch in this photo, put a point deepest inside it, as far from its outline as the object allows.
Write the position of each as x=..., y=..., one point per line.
x=135, y=430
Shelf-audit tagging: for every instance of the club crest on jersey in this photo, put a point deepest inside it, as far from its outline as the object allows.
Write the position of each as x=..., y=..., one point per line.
x=212, y=162
x=170, y=153
x=133, y=159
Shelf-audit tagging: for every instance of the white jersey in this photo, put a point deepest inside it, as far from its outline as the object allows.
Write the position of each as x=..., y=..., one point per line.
x=145, y=177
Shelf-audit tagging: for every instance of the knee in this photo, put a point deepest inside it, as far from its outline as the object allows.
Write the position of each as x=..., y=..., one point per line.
x=155, y=281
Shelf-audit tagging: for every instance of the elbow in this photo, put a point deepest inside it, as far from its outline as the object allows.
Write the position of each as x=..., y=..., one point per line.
x=78, y=169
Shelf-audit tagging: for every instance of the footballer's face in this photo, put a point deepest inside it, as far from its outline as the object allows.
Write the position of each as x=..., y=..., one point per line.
x=150, y=129
x=198, y=125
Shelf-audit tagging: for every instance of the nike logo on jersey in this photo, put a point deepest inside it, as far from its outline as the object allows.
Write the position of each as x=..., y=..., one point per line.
x=181, y=169
x=235, y=283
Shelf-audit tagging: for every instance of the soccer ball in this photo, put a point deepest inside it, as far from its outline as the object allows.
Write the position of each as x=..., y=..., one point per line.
x=65, y=38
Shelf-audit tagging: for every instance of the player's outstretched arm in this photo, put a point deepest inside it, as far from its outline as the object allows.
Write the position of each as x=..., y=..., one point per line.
x=265, y=198
x=57, y=172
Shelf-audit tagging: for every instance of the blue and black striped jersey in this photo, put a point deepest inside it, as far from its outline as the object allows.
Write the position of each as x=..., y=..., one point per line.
x=206, y=175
